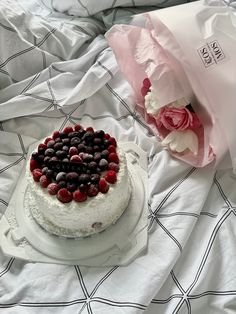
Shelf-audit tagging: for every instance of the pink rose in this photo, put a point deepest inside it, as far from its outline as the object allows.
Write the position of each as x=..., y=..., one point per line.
x=178, y=119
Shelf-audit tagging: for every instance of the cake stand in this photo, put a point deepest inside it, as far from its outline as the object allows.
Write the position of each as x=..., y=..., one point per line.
x=121, y=243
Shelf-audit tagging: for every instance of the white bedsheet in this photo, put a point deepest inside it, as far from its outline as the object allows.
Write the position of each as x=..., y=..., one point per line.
x=57, y=70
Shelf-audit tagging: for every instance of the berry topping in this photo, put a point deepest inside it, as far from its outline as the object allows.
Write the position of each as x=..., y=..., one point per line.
x=72, y=176
x=103, y=164
x=103, y=186
x=113, y=157
x=90, y=129
x=68, y=130
x=42, y=147
x=76, y=158
x=55, y=134
x=112, y=140
x=47, y=140
x=113, y=166
x=44, y=181
x=106, y=136
x=53, y=188
x=37, y=173
x=77, y=127
x=33, y=164
x=61, y=176
x=79, y=196
x=49, y=152
x=76, y=163
x=92, y=190
x=111, y=149
x=111, y=176
x=50, y=144
x=64, y=195
x=73, y=151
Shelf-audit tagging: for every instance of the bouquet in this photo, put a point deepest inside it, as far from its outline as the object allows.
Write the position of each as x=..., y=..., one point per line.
x=182, y=80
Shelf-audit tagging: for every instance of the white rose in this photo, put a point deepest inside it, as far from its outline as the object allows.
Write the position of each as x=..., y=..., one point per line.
x=179, y=141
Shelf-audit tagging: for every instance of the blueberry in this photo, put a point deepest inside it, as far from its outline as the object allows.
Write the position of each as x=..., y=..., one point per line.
x=75, y=141
x=103, y=164
x=87, y=137
x=61, y=176
x=35, y=155
x=65, y=159
x=73, y=134
x=89, y=150
x=97, y=157
x=95, y=178
x=72, y=176
x=49, y=152
x=105, y=153
x=57, y=140
x=61, y=154
x=66, y=141
x=83, y=187
x=58, y=146
x=92, y=165
x=46, y=160
x=62, y=184
x=40, y=158
x=65, y=148
x=97, y=141
x=96, y=148
x=44, y=170
x=63, y=135
x=99, y=133
x=88, y=158
x=71, y=186
x=50, y=144
x=81, y=147
x=49, y=173
x=84, y=178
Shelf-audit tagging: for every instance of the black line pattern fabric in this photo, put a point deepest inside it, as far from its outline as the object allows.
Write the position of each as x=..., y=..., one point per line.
x=57, y=70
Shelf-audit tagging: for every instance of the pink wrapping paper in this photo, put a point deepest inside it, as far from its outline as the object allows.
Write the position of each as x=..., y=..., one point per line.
x=152, y=51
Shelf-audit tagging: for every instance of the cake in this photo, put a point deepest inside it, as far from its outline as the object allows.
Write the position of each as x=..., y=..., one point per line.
x=78, y=182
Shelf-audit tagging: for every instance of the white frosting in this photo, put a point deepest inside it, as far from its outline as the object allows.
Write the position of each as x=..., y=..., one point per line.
x=77, y=219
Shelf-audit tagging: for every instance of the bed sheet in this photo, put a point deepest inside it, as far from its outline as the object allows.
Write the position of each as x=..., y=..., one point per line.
x=55, y=70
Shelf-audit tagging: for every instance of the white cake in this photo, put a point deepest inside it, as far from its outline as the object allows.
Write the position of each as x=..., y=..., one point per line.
x=79, y=219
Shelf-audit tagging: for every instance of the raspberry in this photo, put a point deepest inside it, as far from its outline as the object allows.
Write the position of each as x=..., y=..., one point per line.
x=55, y=134
x=53, y=188
x=111, y=176
x=33, y=164
x=113, y=158
x=144, y=91
x=73, y=151
x=113, y=166
x=68, y=129
x=64, y=195
x=92, y=190
x=47, y=140
x=77, y=127
x=106, y=136
x=42, y=146
x=111, y=149
x=79, y=196
x=44, y=181
x=103, y=186
x=90, y=129
x=112, y=141
x=37, y=174
x=76, y=158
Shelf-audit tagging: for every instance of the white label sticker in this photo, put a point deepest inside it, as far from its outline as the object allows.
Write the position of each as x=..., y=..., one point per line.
x=211, y=53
